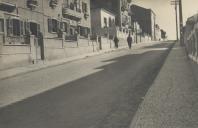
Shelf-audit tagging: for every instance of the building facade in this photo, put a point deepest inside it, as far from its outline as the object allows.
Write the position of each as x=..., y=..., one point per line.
x=47, y=16
x=146, y=19
x=52, y=19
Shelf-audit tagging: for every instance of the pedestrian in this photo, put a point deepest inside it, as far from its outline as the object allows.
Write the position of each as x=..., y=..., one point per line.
x=41, y=44
x=129, y=40
x=116, y=41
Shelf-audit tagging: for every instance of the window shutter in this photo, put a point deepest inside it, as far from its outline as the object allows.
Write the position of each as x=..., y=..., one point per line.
x=21, y=28
x=27, y=27
x=8, y=27
x=50, y=25
x=9, y=23
x=66, y=27
x=38, y=29
x=11, y=26
x=58, y=25
x=62, y=26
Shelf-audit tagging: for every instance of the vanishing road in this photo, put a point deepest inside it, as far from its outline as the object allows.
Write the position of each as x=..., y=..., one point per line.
x=102, y=91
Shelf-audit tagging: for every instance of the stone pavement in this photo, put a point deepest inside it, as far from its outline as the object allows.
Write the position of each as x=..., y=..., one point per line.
x=4, y=74
x=172, y=100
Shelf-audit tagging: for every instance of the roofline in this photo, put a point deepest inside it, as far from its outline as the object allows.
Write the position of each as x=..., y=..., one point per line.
x=144, y=8
x=108, y=11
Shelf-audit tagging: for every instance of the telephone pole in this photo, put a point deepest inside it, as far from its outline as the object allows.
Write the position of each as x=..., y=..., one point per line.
x=176, y=3
x=181, y=23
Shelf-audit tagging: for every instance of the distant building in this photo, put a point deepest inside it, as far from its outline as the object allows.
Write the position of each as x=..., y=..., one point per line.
x=121, y=10
x=146, y=19
x=102, y=22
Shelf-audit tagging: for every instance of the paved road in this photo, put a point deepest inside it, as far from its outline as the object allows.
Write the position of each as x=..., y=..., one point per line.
x=99, y=92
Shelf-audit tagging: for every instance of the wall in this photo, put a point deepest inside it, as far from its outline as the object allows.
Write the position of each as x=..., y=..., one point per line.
x=106, y=15
x=95, y=21
x=191, y=37
x=86, y=22
x=18, y=54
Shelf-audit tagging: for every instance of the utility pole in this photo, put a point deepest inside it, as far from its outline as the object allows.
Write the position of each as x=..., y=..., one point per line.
x=176, y=3
x=181, y=23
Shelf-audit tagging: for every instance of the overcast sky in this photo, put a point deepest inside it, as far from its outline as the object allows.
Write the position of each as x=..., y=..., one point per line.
x=166, y=13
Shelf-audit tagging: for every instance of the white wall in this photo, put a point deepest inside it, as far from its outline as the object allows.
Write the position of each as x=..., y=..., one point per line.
x=106, y=15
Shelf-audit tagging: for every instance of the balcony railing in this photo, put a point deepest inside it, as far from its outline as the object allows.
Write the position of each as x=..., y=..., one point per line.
x=71, y=12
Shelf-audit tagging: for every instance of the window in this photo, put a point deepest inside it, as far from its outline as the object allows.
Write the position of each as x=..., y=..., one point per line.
x=77, y=5
x=27, y=28
x=71, y=31
x=1, y=25
x=105, y=22
x=66, y=3
x=110, y=22
x=14, y=27
x=84, y=7
x=64, y=26
x=53, y=25
x=34, y=28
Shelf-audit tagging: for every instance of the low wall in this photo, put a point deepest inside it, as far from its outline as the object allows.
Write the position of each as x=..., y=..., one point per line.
x=54, y=49
x=57, y=49
x=13, y=56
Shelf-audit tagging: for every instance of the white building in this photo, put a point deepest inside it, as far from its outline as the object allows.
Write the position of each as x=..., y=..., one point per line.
x=102, y=22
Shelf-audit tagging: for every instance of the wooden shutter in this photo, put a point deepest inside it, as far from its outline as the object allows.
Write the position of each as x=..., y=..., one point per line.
x=27, y=27
x=21, y=28
x=58, y=25
x=9, y=23
x=62, y=26
x=50, y=25
x=38, y=29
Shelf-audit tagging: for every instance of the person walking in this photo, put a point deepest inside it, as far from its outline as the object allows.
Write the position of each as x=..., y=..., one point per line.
x=129, y=40
x=41, y=44
x=116, y=41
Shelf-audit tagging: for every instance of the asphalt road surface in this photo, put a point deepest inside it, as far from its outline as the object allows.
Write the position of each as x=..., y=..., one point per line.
x=104, y=91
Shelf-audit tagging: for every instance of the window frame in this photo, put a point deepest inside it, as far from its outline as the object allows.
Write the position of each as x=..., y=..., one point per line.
x=51, y=26
x=3, y=25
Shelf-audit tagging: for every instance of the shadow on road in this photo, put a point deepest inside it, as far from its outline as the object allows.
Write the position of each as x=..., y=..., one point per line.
x=106, y=99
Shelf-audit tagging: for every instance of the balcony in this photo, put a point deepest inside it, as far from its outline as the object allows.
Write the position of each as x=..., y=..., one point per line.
x=5, y=6
x=72, y=13
x=32, y=4
x=86, y=15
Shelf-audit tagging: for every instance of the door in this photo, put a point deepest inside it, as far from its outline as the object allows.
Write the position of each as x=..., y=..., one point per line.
x=35, y=30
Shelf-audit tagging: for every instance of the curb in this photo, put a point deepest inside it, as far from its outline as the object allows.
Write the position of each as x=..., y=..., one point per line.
x=133, y=123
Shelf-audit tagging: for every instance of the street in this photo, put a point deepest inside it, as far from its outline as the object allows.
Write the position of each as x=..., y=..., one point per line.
x=102, y=91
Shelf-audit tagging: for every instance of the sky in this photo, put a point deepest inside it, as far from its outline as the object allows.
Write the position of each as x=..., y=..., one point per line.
x=165, y=13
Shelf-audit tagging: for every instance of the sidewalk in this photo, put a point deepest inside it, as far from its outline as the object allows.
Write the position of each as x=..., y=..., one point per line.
x=172, y=100
x=4, y=74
